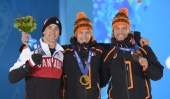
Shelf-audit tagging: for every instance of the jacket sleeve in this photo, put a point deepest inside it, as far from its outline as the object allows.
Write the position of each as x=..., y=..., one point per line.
x=136, y=36
x=104, y=70
x=104, y=75
x=22, y=47
x=66, y=46
x=21, y=68
x=105, y=46
x=155, y=69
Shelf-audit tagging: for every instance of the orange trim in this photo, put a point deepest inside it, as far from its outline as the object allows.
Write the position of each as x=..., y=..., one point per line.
x=109, y=92
x=99, y=90
x=143, y=50
x=148, y=96
x=130, y=71
x=89, y=85
x=108, y=54
x=68, y=49
x=63, y=91
x=97, y=49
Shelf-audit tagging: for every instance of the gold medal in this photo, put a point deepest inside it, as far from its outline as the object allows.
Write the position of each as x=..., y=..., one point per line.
x=84, y=80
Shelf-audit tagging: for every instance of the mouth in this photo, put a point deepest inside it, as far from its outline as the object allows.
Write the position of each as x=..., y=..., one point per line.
x=120, y=35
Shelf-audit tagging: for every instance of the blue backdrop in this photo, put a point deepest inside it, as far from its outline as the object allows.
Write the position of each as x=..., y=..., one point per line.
x=150, y=17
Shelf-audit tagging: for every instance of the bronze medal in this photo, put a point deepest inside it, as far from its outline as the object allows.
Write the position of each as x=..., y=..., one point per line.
x=136, y=55
x=84, y=80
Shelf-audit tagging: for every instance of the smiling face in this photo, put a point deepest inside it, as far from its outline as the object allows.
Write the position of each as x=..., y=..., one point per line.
x=51, y=33
x=84, y=36
x=120, y=32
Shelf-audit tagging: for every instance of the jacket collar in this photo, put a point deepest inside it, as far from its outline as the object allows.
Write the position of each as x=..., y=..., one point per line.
x=46, y=49
x=73, y=41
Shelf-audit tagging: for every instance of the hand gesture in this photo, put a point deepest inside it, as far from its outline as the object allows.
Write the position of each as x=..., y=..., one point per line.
x=25, y=37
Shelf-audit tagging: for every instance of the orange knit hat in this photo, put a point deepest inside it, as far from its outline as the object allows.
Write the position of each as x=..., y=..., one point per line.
x=82, y=23
x=121, y=18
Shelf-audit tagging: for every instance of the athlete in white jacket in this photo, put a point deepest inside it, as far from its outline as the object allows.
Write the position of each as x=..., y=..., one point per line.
x=42, y=67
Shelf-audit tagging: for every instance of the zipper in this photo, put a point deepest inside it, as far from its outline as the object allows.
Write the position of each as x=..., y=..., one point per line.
x=85, y=92
x=52, y=80
x=128, y=76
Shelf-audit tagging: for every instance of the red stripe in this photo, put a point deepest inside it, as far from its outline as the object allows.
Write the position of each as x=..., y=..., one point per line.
x=48, y=69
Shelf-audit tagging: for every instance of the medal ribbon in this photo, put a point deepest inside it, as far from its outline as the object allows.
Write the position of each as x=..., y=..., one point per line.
x=39, y=49
x=82, y=69
x=136, y=48
x=31, y=43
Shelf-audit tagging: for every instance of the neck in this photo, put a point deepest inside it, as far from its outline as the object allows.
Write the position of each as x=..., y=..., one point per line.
x=50, y=44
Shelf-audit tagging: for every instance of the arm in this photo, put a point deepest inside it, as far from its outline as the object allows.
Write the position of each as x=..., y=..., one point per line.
x=140, y=40
x=154, y=70
x=104, y=70
x=17, y=74
x=104, y=75
x=20, y=69
x=104, y=45
x=25, y=37
x=24, y=65
x=22, y=47
x=24, y=40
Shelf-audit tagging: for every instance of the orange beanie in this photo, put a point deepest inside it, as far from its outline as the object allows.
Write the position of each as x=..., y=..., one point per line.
x=82, y=23
x=121, y=18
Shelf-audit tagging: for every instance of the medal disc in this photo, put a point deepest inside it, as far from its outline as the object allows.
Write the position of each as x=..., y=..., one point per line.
x=84, y=80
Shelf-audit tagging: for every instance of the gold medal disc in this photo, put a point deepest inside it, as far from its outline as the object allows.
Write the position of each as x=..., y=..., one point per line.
x=84, y=80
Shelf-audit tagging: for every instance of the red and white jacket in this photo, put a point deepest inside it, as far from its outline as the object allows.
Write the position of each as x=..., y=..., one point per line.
x=45, y=76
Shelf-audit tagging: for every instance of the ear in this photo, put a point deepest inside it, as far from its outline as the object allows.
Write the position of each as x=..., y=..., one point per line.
x=43, y=33
x=112, y=34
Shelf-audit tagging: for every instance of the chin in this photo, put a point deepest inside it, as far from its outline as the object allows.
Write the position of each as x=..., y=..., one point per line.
x=120, y=39
x=53, y=40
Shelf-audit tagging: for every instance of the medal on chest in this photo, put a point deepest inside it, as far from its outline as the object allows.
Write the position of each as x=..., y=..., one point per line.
x=84, y=79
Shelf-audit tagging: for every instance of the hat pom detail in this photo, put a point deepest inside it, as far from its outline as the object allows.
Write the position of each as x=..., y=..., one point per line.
x=124, y=10
x=81, y=15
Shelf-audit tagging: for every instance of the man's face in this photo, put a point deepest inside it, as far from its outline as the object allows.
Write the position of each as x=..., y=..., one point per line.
x=51, y=33
x=84, y=36
x=120, y=32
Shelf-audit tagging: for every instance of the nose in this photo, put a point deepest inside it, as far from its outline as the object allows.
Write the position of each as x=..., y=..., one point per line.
x=84, y=35
x=121, y=31
x=53, y=31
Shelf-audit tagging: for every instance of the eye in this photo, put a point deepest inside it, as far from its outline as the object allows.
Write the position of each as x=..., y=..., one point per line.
x=124, y=29
x=49, y=27
x=81, y=33
x=87, y=32
x=56, y=29
x=116, y=29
